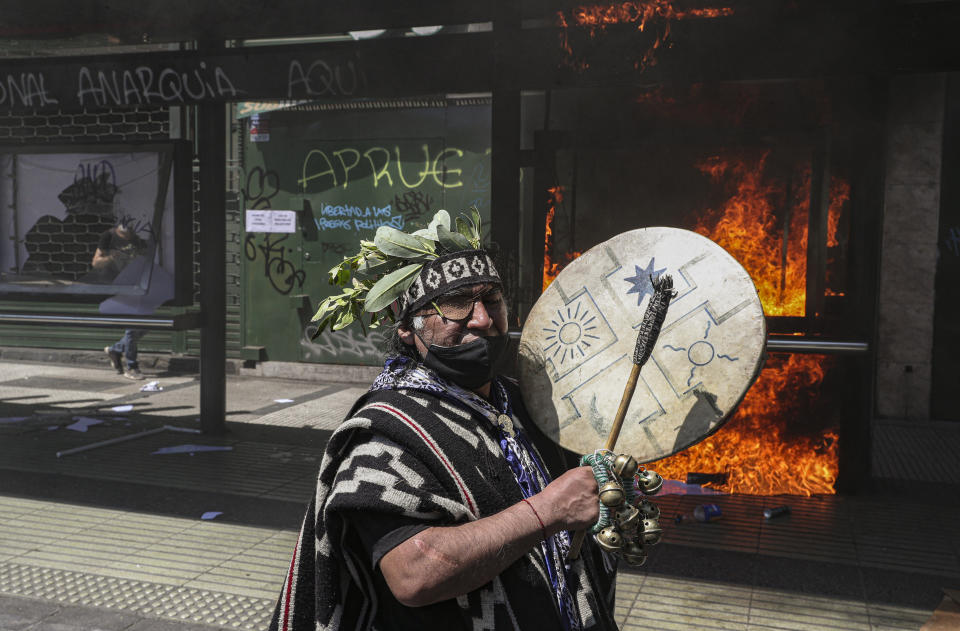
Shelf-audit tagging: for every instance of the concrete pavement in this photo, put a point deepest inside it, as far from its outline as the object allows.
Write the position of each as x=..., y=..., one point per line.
x=114, y=537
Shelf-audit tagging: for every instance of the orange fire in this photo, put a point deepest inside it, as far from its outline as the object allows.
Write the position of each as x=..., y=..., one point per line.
x=755, y=448
x=595, y=18
x=599, y=16
x=550, y=267
x=747, y=227
x=839, y=196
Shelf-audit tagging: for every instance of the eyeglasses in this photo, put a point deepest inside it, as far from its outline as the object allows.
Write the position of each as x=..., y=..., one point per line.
x=460, y=308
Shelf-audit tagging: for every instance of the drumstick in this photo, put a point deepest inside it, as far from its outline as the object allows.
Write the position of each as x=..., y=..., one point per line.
x=646, y=337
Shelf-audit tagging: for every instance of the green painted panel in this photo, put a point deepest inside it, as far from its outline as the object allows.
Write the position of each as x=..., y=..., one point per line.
x=347, y=173
x=76, y=337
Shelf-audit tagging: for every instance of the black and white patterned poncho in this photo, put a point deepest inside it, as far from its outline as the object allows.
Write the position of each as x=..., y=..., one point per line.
x=410, y=455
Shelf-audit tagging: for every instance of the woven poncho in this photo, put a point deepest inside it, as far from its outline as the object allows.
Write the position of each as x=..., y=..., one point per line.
x=415, y=453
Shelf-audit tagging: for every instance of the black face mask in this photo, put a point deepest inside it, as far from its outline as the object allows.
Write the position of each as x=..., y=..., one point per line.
x=468, y=365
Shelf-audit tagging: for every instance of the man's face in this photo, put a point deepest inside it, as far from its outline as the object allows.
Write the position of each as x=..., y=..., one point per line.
x=468, y=313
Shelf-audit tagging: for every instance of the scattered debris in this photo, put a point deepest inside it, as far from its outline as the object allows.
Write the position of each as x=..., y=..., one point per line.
x=776, y=511
x=211, y=514
x=707, y=513
x=189, y=449
x=82, y=423
x=704, y=513
x=121, y=439
x=151, y=386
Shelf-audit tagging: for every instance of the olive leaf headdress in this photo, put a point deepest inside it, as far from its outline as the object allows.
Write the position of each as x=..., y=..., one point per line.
x=410, y=269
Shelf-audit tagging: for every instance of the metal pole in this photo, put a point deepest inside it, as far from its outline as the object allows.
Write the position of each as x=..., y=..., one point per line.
x=211, y=135
x=817, y=234
x=829, y=347
x=505, y=141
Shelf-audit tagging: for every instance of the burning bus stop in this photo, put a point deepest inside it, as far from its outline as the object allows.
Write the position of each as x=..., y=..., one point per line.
x=814, y=143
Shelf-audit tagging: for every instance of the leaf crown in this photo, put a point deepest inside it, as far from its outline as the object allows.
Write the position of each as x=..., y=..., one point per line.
x=385, y=268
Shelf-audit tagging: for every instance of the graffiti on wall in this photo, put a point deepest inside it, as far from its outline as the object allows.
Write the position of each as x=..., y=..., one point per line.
x=319, y=172
x=282, y=273
x=259, y=187
x=346, y=345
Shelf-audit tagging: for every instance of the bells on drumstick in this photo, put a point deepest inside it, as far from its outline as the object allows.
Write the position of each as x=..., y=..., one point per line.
x=633, y=553
x=648, y=509
x=649, y=482
x=628, y=518
x=610, y=539
x=611, y=494
x=628, y=522
x=651, y=532
x=625, y=466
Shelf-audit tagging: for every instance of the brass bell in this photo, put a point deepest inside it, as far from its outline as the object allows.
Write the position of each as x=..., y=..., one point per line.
x=610, y=539
x=625, y=466
x=648, y=509
x=650, y=482
x=611, y=494
x=633, y=553
x=651, y=532
x=628, y=518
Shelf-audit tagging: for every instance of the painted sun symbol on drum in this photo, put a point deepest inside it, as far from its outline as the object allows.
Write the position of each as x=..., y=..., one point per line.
x=572, y=334
x=700, y=353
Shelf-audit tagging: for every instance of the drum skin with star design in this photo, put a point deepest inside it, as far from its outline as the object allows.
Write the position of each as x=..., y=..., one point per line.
x=577, y=346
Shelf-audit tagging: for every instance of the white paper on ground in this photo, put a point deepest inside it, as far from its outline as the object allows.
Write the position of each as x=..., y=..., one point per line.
x=122, y=408
x=152, y=386
x=283, y=400
x=189, y=449
x=82, y=423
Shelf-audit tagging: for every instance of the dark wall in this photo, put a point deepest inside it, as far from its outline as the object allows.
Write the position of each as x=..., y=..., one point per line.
x=945, y=396
x=144, y=123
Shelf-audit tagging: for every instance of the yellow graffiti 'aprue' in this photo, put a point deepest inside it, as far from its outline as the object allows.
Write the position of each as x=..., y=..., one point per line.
x=317, y=164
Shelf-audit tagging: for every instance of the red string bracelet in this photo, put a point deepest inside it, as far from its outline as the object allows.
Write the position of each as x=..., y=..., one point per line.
x=537, y=515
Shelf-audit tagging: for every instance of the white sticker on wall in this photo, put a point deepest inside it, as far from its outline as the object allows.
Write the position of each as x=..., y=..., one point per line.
x=258, y=221
x=271, y=220
x=284, y=221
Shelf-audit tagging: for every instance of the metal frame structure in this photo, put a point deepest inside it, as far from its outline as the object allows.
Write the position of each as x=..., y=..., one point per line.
x=519, y=52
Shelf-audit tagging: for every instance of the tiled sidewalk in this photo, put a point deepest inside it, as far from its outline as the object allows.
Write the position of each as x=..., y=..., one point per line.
x=150, y=565
x=206, y=572
x=117, y=530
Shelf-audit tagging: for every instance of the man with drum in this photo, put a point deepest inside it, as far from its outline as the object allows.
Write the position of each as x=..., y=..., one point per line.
x=439, y=503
